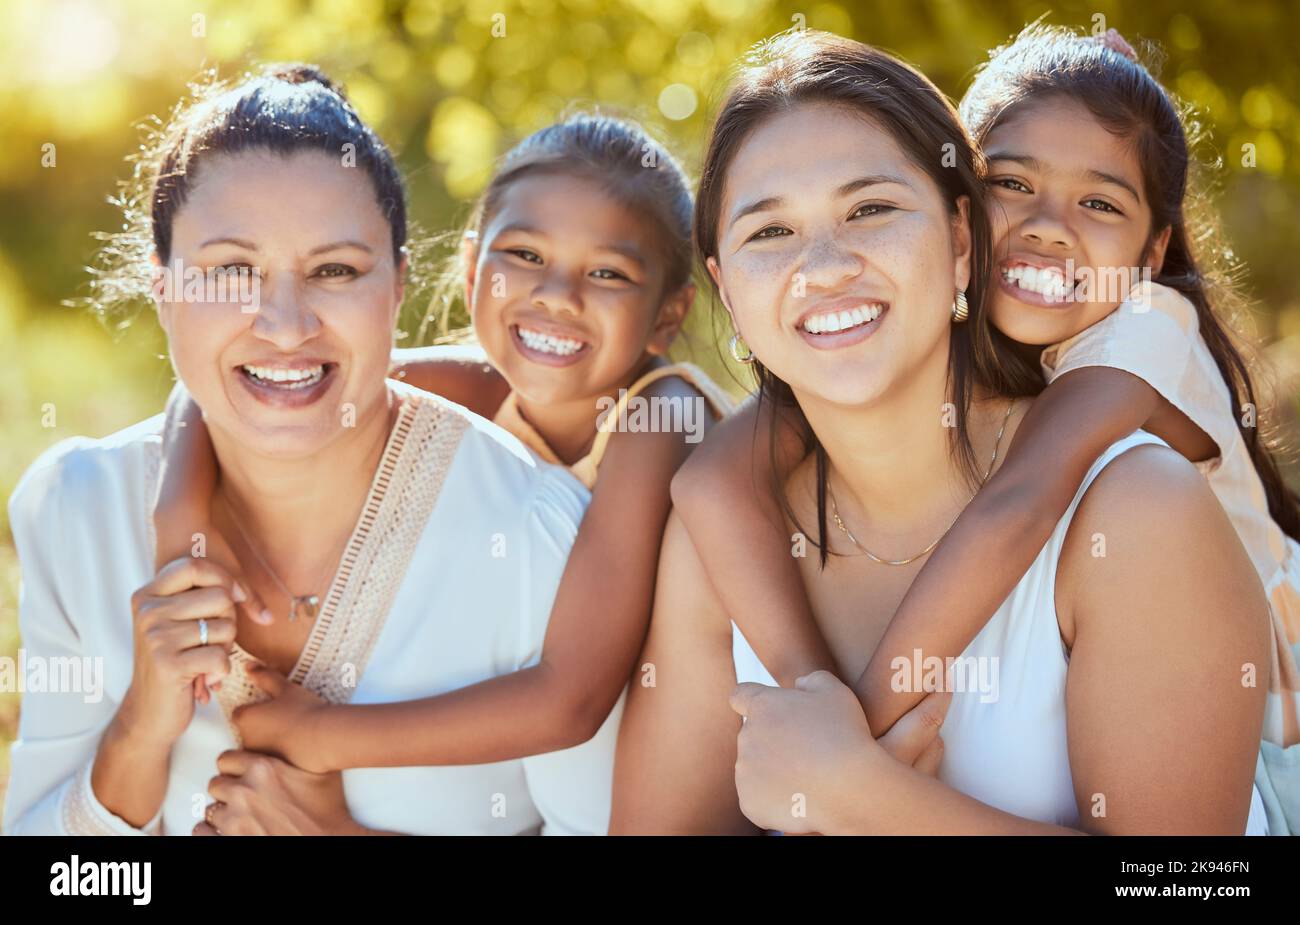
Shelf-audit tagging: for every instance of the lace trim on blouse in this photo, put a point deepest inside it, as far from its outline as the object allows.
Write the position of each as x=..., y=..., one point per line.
x=402, y=496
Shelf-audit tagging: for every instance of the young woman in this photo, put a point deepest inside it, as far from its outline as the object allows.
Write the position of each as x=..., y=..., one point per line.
x=826, y=215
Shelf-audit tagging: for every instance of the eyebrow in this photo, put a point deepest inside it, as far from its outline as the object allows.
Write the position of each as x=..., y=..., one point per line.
x=238, y=242
x=623, y=250
x=771, y=202
x=1099, y=175
x=249, y=245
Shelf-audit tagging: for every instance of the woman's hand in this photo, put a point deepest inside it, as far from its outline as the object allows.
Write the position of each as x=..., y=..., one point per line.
x=287, y=725
x=802, y=750
x=259, y=794
x=173, y=649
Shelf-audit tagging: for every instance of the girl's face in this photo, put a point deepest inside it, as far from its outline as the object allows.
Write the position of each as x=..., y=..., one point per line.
x=1070, y=221
x=288, y=378
x=566, y=290
x=838, y=258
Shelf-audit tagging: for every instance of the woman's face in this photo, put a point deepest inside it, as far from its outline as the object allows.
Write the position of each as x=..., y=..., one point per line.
x=566, y=289
x=291, y=376
x=838, y=258
x=1070, y=221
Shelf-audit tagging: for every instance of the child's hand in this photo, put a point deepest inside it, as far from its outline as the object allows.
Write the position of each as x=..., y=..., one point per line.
x=287, y=725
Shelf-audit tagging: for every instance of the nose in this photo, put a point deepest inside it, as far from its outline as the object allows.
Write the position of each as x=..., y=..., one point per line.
x=1047, y=226
x=284, y=317
x=827, y=263
x=557, y=292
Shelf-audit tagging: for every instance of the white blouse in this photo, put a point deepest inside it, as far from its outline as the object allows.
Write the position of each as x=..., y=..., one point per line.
x=448, y=579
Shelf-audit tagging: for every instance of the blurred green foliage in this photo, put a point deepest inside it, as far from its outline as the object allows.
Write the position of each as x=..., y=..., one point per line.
x=450, y=85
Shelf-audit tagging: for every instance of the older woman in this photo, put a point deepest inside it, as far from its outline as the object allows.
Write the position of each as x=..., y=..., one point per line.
x=838, y=177
x=418, y=546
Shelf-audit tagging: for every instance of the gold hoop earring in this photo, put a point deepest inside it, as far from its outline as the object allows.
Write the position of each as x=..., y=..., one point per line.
x=736, y=344
x=960, y=307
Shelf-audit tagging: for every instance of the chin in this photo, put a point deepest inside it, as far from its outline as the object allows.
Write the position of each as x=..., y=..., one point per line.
x=1022, y=326
x=848, y=389
x=287, y=440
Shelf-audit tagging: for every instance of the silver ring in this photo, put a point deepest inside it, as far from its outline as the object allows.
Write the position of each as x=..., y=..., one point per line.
x=203, y=632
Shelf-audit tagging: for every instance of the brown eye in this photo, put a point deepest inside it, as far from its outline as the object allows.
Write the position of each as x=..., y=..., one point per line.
x=336, y=271
x=524, y=253
x=1104, y=206
x=1014, y=185
x=777, y=232
x=869, y=209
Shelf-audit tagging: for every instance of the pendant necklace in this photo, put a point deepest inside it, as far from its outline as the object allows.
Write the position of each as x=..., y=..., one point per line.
x=308, y=605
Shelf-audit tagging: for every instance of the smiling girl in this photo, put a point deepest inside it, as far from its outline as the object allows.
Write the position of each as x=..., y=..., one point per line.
x=576, y=271
x=1088, y=166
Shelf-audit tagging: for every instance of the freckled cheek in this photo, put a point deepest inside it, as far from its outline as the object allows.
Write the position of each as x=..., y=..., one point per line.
x=900, y=256
x=757, y=284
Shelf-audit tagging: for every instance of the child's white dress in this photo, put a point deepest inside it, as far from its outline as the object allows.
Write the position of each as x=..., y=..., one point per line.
x=1155, y=335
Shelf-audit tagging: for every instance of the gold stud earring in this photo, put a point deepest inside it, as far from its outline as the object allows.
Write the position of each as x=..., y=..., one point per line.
x=960, y=307
x=736, y=346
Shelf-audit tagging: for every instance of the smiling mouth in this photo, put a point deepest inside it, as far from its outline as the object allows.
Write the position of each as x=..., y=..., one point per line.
x=287, y=379
x=552, y=344
x=1047, y=283
x=839, y=322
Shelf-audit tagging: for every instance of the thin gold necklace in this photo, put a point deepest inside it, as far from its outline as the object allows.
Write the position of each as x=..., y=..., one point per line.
x=835, y=511
x=306, y=604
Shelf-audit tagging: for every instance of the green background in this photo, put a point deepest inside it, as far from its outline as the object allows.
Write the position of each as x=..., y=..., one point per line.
x=449, y=97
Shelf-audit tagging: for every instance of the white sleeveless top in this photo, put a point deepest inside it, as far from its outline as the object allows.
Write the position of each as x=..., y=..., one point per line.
x=1005, y=741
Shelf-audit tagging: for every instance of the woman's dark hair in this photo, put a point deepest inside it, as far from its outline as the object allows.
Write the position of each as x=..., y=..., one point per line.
x=284, y=109
x=617, y=153
x=1105, y=75
x=802, y=67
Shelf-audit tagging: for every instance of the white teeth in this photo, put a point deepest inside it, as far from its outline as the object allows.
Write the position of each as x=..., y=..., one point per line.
x=1049, y=283
x=546, y=343
x=834, y=322
x=291, y=378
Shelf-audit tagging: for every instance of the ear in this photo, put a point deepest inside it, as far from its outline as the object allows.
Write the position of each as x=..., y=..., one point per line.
x=469, y=260
x=961, y=244
x=715, y=274
x=1155, y=255
x=672, y=315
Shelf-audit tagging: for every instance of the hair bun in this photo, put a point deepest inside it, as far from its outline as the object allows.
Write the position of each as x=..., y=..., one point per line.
x=1117, y=43
x=302, y=74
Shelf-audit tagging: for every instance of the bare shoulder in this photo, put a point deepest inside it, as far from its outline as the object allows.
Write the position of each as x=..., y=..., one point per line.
x=1150, y=532
x=1168, y=632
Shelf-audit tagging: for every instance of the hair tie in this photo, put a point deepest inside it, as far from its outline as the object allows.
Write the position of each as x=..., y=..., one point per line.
x=1117, y=43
